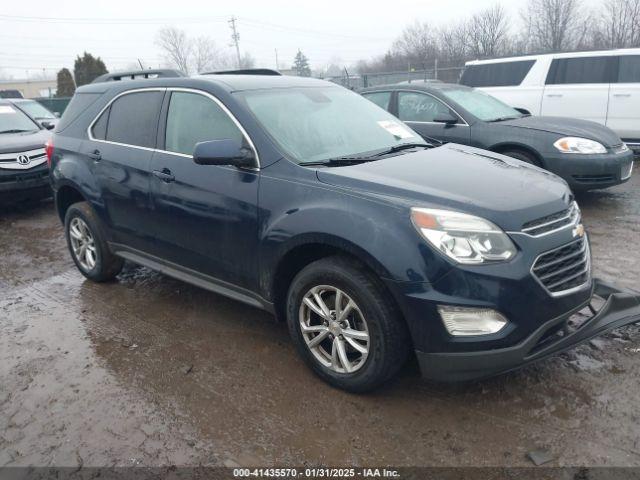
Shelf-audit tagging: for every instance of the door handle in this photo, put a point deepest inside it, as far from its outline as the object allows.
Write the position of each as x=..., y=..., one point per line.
x=165, y=175
x=96, y=156
x=554, y=95
x=625, y=95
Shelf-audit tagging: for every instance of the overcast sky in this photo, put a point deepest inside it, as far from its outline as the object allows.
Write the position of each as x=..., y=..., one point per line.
x=38, y=34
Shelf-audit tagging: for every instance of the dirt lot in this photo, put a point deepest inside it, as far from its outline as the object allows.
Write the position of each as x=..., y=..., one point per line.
x=152, y=371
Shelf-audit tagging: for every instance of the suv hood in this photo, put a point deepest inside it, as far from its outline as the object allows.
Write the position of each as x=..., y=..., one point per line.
x=568, y=127
x=456, y=177
x=21, y=142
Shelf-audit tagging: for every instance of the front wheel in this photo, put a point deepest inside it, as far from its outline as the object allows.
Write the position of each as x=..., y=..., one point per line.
x=345, y=324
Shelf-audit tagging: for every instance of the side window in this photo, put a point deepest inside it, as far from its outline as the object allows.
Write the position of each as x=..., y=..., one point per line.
x=99, y=130
x=501, y=74
x=379, y=98
x=194, y=118
x=133, y=119
x=629, y=69
x=419, y=107
x=579, y=70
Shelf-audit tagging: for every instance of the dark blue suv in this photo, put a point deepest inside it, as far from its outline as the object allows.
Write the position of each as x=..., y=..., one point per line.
x=302, y=198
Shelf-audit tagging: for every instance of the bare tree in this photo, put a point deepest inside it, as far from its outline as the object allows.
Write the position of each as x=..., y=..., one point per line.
x=487, y=32
x=176, y=46
x=417, y=44
x=620, y=24
x=555, y=25
x=207, y=57
x=453, y=40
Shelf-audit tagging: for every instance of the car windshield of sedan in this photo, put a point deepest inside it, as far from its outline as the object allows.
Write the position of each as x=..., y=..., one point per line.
x=316, y=124
x=13, y=120
x=482, y=105
x=36, y=110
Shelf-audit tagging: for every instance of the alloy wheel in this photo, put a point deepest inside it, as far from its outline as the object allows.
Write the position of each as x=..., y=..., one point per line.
x=83, y=244
x=334, y=329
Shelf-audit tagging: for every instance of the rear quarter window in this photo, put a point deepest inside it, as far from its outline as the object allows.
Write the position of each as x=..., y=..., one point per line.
x=79, y=103
x=503, y=74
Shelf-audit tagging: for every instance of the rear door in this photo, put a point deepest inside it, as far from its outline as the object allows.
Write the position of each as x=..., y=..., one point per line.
x=421, y=110
x=624, y=99
x=205, y=216
x=121, y=142
x=578, y=88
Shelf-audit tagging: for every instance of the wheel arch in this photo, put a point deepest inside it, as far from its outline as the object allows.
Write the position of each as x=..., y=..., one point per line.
x=308, y=249
x=66, y=195
x=511, y=146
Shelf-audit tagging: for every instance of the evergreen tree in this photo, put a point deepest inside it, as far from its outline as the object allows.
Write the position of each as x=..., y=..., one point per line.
x=66, y=85
x=301, y=65
x=87, y=68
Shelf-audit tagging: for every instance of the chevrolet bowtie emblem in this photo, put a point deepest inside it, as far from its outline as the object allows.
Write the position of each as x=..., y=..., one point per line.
x=578, y=231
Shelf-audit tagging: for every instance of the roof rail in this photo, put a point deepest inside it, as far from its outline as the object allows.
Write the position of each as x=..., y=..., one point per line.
x=138, y=75
x=246, y=71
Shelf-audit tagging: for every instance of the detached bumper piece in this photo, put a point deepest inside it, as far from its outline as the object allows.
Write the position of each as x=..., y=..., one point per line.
x=618, y=308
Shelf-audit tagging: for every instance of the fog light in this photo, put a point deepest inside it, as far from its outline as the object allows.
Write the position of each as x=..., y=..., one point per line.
x=463, y=322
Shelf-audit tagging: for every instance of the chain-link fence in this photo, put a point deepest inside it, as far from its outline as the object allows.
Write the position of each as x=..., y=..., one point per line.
x=446, y=75
x=57, y=105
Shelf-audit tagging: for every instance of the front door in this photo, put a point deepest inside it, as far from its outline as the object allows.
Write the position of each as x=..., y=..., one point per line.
x=205, y=216
x=422, y=111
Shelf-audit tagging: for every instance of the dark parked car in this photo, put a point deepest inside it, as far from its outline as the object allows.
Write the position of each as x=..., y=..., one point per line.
x=23, y=163
x=586, y=154
x=301, y=197
x=37, y=112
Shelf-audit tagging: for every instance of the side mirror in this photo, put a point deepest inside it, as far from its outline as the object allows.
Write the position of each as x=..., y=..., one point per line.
x=48, y=125
x=56, y=114
x=223, y=152
x=523, y=111
x=447, y=118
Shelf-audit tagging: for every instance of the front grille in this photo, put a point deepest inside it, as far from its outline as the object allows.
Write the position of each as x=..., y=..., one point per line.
x=564, y=268
x=552, y=222
x=593, y=179
x=626, y=171
x=9, y=161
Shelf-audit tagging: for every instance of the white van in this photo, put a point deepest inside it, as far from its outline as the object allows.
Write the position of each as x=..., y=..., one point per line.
x=600, y=86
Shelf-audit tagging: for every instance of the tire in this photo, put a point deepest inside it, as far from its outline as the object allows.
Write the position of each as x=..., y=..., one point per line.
x=97, y=263
x=375, y=314
x=523, y=156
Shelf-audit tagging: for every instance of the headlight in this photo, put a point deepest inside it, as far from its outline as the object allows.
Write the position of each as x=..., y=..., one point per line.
x=579, y=145
x=464, y=238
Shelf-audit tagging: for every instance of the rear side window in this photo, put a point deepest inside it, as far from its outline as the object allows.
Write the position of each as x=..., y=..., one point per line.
x=99, y=130
x=133, y=119
x=194, y=118
x=379, y=98
x=580, y=70
x=79, y=103
x=504, y=74
x=629, y=69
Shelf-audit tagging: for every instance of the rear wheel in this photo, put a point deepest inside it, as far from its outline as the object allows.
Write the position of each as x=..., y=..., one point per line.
x=523, y=156
x=345, y=325
x=87, y=245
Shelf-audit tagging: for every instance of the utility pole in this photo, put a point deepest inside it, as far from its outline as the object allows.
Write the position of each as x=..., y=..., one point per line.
x=235, y=37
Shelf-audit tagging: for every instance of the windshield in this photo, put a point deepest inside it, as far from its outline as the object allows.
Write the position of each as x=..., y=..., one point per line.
x=322, y=123
x=13, y=120
x=482, y=105
x=36, y=110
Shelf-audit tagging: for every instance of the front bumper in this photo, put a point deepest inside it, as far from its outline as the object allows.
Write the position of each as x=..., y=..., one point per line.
x=619, y=309
x=19, y=184
x=585, y=172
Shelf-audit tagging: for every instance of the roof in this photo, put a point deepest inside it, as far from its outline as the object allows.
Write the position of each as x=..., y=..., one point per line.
x=417, y=86
x=593, y=53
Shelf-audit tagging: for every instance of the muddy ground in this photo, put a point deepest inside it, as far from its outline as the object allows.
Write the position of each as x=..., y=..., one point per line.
x=152, y=371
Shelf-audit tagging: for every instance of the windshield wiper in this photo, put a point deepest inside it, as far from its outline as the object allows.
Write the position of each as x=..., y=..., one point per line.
x=502, y=119
x=15, y=130
x=339, y=161
x=403, y=146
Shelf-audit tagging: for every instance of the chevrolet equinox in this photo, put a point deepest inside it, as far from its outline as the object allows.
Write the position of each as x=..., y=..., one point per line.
x=303, y=198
